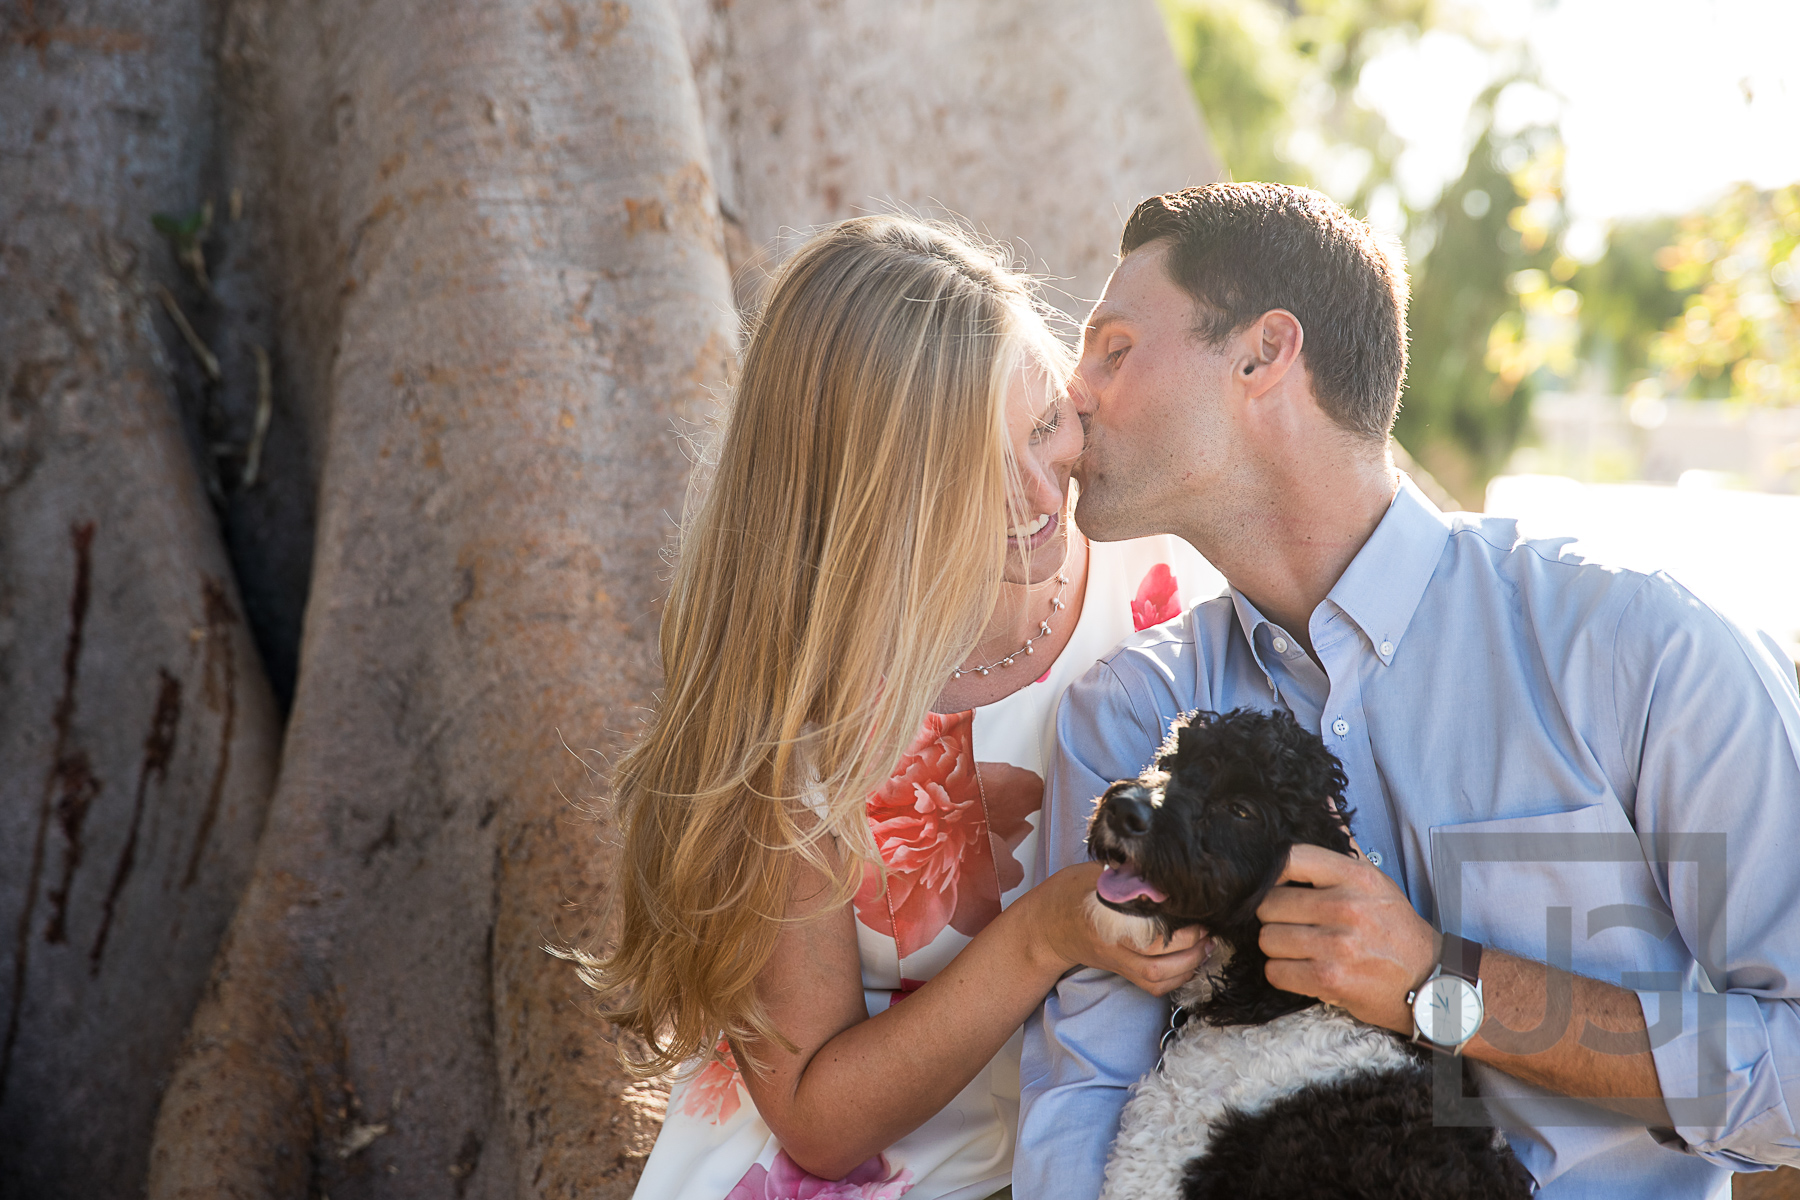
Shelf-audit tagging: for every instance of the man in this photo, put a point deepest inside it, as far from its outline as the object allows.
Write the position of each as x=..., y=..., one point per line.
x=1529, y=738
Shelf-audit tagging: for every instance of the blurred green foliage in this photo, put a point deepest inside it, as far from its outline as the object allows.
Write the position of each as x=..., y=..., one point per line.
x=1468, y=390
x=1626, y=301
x=1707, y=305
x=1240, y=65
x=1277, y=82
x=1737, y=267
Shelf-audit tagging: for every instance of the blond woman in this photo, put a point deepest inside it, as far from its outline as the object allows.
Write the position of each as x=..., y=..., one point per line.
x=828, y=918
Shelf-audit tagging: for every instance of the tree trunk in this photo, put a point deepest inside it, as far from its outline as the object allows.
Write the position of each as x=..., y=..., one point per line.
x=137, y=734
x=1041, y=122
x=500, y=218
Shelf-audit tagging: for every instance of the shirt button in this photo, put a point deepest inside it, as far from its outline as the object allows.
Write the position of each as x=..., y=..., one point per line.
x=1340, y=727
x=1280, y=645
x=1374, y=858
x=1387, y=649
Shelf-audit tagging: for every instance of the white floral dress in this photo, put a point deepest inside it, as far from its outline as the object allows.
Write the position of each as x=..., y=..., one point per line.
x=957, y=831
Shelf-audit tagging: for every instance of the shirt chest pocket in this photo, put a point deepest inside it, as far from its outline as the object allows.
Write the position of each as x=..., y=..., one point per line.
x=1569, y=888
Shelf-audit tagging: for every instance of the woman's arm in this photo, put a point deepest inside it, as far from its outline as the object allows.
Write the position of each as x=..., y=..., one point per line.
x=856, y=1084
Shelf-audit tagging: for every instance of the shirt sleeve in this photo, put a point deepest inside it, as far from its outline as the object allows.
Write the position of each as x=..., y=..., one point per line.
x=1709, y=717
x=1096, y=1034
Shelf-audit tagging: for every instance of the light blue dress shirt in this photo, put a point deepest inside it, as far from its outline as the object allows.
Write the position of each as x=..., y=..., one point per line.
x=1569, y=762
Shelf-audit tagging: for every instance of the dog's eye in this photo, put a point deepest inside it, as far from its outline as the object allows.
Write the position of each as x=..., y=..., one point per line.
x=1241, y=811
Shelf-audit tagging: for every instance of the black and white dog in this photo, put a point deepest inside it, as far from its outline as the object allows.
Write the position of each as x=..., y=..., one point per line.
x=1264, y=1093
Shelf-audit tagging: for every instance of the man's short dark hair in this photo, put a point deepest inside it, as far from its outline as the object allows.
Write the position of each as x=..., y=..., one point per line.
x=1241, y=249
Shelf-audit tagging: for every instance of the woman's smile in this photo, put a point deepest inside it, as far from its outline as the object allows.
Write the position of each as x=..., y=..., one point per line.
x=1036, y=532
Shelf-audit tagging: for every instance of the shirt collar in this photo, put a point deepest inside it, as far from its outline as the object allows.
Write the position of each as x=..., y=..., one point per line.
x=1381, y=588
x=1249, y=619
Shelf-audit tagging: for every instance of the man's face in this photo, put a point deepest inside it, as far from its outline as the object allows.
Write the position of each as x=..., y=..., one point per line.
x=1150, y=394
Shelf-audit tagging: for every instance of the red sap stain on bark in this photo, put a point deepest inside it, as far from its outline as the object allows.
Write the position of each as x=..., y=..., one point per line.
x=159, y=745
x=75, y=788
x=220, y=693
x=646, y=216
x=34, y=34
x=565, y=24
x=69, y=788
x=614, y=16
x=72, y=785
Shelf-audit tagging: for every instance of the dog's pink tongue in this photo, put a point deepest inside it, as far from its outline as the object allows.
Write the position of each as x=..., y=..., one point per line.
x=1120, y=887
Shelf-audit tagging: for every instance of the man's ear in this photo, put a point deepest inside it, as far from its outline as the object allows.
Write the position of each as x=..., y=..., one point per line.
x=1268, y=349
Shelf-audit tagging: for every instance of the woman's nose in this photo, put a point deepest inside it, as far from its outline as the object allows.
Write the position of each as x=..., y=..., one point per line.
x=1043, y=482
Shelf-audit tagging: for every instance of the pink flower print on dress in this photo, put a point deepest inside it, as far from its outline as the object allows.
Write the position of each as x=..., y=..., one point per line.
x=949, y=859
x=716, y=1093
x=786, y=1181
x=1157, y=600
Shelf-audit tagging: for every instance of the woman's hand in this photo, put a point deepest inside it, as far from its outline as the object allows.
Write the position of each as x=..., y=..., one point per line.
x=1063, y=911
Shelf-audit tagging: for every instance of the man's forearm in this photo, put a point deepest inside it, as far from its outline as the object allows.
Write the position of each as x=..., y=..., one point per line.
x=1568, y=1033
x=1353, y=939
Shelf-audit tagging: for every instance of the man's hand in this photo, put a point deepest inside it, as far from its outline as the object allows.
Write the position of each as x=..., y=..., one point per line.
x=1352, y=939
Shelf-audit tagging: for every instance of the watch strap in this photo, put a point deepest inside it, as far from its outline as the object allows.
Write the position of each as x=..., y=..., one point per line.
x=1461, y=957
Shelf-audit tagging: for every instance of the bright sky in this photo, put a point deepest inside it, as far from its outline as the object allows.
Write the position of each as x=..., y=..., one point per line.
x=1664, y=103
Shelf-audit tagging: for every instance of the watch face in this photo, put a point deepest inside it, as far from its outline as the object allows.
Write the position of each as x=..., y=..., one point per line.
x=1447, y=1010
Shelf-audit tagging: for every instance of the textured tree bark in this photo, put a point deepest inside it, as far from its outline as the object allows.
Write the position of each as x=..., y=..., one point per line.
x=508, y=279
x=1041, y=122
x=138, y=738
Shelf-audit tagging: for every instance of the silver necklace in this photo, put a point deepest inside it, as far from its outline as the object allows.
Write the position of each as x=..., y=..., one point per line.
x=1056, y=605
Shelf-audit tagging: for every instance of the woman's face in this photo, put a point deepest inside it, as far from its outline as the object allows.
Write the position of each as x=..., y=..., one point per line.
x=1046, y=441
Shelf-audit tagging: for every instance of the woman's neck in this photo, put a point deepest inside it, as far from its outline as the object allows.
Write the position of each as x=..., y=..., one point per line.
x=1018, y=617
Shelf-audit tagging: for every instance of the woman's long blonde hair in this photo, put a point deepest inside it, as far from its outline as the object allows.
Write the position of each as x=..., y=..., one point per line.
x=843, y=561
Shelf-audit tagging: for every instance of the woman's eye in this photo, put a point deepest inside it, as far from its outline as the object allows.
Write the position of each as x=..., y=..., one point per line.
x=1116, y=357
x=1048, y=425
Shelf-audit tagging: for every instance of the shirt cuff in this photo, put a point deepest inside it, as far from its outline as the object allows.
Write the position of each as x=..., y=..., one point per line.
x=1721, y=1081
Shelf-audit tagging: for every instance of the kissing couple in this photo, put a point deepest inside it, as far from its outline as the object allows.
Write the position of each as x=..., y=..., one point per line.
x=949, y=579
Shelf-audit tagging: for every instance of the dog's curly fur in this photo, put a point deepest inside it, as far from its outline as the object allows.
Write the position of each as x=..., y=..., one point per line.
x=1267, y=1093
x=1375, y=1131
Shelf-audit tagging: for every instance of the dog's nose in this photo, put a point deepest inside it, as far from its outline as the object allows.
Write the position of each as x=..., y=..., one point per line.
x=1128, y=811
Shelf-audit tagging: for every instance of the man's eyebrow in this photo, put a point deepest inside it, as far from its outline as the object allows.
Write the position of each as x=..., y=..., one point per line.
x=1101, y=319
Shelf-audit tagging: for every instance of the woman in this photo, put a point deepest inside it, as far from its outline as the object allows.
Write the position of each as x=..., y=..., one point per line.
x=882, y=571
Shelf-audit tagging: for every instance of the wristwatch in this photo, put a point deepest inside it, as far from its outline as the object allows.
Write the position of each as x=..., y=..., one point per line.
x=1447, y=1008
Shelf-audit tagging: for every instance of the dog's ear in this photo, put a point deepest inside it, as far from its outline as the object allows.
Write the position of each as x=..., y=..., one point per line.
x=1310, y=770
